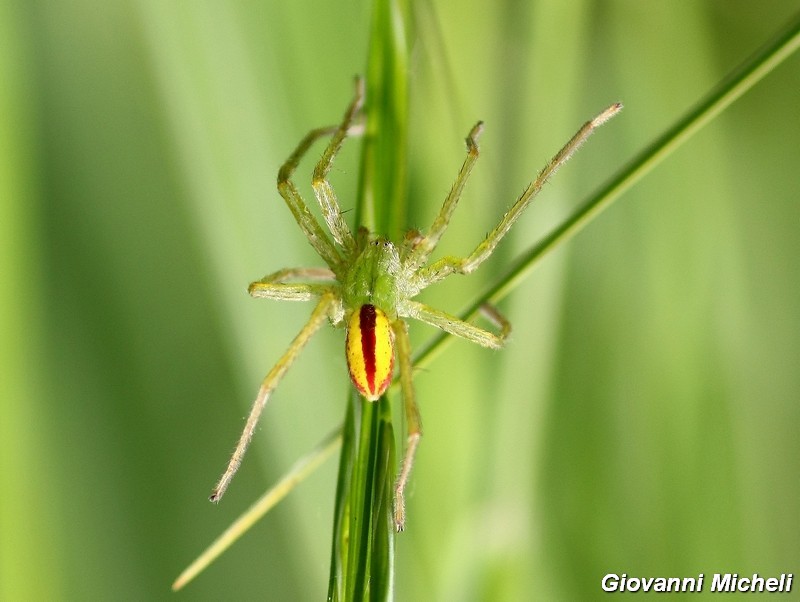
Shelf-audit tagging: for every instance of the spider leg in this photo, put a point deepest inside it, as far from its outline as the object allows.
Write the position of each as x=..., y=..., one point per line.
x=275, y=286
x=460, y=328
x=331, y=211
x=308, y=223
x=421, y=247
x=318, y=316
x=453, y=265
x=413, y=420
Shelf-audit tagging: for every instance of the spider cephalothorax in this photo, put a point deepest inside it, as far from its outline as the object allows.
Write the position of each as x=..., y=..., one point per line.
x=369, y=284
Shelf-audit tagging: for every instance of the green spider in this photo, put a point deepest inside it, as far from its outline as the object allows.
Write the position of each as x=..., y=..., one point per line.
x=370, y=284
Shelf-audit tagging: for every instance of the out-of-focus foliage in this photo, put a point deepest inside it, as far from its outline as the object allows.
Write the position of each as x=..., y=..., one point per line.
x=642, y=420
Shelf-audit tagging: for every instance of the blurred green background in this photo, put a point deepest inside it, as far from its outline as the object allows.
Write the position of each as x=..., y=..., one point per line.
x=642, y=420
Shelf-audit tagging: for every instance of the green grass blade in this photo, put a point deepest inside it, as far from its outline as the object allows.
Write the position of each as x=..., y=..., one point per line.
x=363, y=539
x=31, y=552
x=383, y=175
x=362, y=551
x=742, y=79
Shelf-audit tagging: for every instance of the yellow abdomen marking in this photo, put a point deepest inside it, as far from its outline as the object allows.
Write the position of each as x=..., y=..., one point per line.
x=370, y=351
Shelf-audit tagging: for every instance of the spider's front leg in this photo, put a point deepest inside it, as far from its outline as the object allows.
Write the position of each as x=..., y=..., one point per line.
x=320, y=241
x=302, y=214
x=420, y=247
x=331, y=211
x=464, y=265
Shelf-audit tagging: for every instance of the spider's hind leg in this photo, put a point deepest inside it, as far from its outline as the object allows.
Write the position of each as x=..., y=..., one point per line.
x=318, y=316
x=413, y=420
x=460, y=328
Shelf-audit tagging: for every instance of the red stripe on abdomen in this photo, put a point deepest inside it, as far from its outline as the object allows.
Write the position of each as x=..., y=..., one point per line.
x=367, y=325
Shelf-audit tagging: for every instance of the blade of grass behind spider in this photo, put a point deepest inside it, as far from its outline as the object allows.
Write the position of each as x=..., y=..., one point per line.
x=382, y=184
x=363, y=537
x=747, y=75
x=30, y=551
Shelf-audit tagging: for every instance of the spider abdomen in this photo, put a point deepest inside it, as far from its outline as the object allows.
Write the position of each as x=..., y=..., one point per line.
x=370, y=351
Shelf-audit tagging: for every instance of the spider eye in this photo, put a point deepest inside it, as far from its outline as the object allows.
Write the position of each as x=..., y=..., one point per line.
x=370, y=351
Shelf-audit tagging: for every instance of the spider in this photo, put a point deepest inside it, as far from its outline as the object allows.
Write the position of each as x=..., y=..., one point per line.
x=370, y=283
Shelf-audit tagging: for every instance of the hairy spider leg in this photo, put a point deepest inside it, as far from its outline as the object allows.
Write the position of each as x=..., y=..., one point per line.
x=311, y=228
x=453, y=265
x=423, y=245
x=413, y=420
x=466, y=330
x=318, y=238
x=323, y=190
x=318, y=317
x=275, y=285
